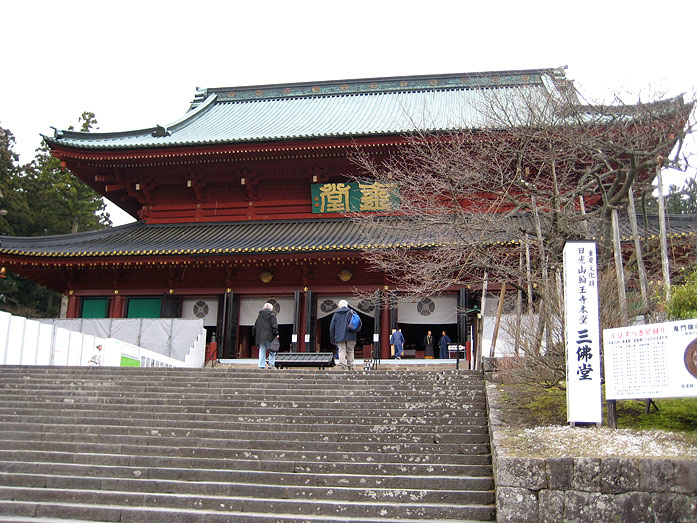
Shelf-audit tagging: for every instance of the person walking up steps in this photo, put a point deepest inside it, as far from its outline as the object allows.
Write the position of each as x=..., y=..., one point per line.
x=264, y=331
x=398, y=341
x=342, y=336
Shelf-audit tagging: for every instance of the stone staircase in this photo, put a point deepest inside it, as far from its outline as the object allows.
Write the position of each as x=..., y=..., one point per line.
x=215, y=445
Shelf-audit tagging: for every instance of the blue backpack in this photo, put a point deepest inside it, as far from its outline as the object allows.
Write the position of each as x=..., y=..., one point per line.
x=354, y=324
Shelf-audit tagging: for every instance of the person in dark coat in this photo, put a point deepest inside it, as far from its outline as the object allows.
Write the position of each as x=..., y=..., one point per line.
x=443, y=344
x=341, y=336
x=264, y=331
x=429, y=342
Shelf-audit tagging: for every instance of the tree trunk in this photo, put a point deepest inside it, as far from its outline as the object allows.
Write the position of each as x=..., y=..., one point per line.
x=498, y=320
x=485, y=286
x=664, y=240
x=619, y=266
x=641, y=268
x=518, y=305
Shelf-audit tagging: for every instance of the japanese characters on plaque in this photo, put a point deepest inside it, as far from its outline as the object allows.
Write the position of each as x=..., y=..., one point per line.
x=651, y=361
x=353, y=197
x=583, y=373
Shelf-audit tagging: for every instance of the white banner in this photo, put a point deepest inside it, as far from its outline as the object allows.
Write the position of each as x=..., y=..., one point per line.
x=326, y=305
x=651, y=361
x=205, y=309
x=250, y=307
x=435, y=310
x=583, y=377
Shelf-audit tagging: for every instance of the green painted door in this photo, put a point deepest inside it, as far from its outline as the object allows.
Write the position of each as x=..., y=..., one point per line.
x=144, y=307
x=95, y=307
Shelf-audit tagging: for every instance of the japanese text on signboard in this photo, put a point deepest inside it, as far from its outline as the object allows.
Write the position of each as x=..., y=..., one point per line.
x=353, y=197
x=582, y=330
x=587, y=282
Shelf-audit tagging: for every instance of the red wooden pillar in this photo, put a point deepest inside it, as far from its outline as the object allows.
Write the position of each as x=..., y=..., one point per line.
x=73, y=302
x=116, y=307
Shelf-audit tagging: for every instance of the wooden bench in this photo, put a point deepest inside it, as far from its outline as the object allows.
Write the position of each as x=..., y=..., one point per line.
x=304, y=359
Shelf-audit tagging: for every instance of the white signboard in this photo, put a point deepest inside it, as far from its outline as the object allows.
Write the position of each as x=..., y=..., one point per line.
x=583, y=392
x=651, y=361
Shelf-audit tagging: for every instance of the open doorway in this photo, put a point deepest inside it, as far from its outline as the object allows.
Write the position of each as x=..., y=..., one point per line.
x=414, y=335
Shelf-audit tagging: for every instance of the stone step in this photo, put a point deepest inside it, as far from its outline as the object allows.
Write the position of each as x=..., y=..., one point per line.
x=243, y=445
x=322, y=507
x=305, y=373
x=285, y=465
x=283, y=377
x=222, y=406
x=365, y=418
x=225, y=403
x=230, y=476
x=43, y=438
x=265, y=490
x=47, y=512
x=311, y=433
x=268, y=380
x=249, y=452
x=278, y=393
x=185, y=377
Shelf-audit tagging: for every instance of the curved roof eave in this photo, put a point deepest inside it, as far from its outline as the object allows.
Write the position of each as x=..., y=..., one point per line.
x=151, y=131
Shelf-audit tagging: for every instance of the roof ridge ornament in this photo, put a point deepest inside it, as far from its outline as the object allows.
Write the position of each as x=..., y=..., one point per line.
x=160, y=131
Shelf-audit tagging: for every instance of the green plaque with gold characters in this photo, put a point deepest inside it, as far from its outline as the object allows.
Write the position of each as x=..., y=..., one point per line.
x=354, y=197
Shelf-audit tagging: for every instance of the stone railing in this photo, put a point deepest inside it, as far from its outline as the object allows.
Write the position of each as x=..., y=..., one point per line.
x=589, y=489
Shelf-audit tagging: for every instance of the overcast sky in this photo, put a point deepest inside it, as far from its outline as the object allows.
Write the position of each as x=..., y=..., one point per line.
x=138, y=63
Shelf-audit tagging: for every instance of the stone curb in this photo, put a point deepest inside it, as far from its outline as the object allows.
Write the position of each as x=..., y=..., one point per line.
x=587, y=489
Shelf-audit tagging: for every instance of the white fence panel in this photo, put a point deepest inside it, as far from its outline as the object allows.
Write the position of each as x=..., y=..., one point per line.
x=61, y=346
x=33, y=342
x=87, y=350
x=44, y=344
x=15, y=341
x=4, y=332
x=75, y=348
x=30, y=342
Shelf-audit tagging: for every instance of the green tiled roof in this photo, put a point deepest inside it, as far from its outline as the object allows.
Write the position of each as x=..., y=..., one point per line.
x=245, y=238
x=348, y=108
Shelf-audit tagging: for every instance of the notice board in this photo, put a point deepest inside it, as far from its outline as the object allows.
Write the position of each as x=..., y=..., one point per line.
x=651, y=361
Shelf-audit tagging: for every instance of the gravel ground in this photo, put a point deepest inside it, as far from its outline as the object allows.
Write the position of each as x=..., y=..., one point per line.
x=516, y=435
x=580, y=442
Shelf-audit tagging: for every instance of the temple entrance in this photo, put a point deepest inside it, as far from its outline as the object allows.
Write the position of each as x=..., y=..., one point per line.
x=414, y=335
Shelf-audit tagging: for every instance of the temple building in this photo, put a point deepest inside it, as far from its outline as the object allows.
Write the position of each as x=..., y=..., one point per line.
x=244, y=199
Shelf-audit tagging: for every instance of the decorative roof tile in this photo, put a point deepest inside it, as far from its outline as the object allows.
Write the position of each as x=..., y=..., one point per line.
x=347, y=108
x=278, y=237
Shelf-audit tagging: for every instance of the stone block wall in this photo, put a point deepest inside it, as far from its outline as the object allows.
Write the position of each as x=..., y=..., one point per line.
x=589, y=489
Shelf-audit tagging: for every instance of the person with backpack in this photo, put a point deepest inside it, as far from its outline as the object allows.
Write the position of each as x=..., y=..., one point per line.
x=345, y=324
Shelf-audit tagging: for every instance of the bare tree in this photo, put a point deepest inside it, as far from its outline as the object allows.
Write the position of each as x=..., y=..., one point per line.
x=538, y=170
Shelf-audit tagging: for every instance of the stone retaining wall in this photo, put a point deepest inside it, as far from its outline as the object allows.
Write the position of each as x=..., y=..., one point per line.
x=589, y=489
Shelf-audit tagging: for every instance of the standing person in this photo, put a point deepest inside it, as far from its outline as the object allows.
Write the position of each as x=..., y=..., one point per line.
x=264, y=331
x=341, y=336
x=398, y=340
x=443, y=344
x=428, y=346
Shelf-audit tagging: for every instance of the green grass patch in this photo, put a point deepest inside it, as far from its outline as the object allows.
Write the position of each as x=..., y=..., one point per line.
x=674, y=414
x=530, y=405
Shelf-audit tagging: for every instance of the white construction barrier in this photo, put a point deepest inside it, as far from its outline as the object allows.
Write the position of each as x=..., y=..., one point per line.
x=34, y=342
